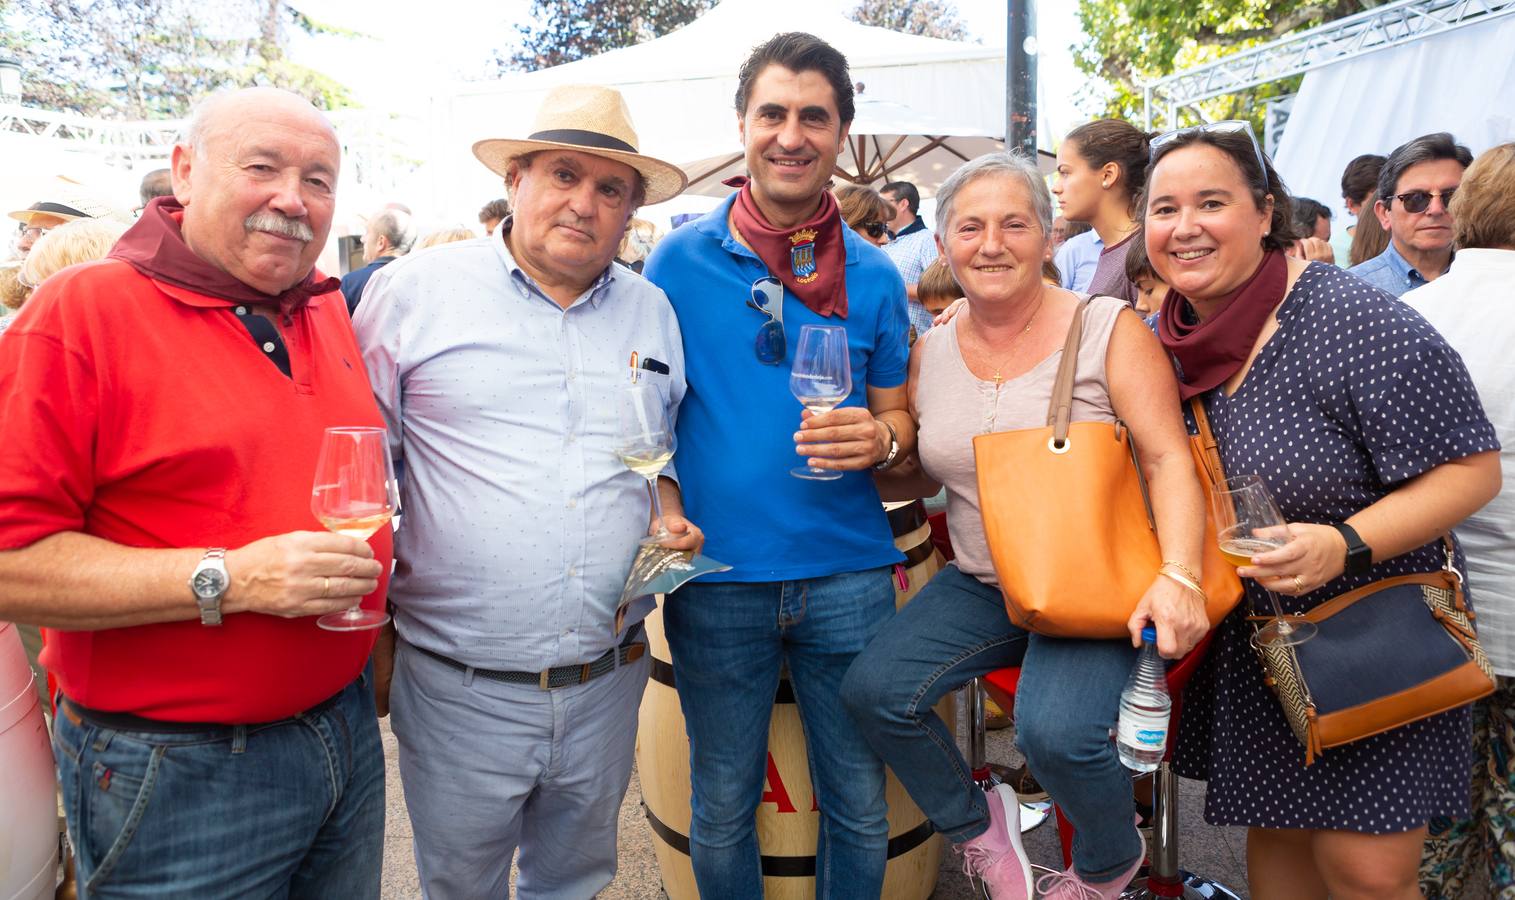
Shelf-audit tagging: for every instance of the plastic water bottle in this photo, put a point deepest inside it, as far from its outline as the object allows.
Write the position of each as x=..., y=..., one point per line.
x=1141, y=734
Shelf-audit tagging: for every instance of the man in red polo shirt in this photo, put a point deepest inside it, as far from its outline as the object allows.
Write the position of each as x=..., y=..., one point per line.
x=162, y=412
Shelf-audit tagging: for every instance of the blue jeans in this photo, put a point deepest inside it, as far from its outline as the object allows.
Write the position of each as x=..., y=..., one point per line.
x=1066, y=704
x=290, y=809
x=728, y=641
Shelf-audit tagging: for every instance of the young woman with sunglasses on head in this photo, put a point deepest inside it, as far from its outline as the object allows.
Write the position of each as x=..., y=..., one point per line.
x=1319, y=383
x=866, y=212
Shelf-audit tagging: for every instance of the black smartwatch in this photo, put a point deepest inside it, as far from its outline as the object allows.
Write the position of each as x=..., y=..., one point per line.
x=1359, y=554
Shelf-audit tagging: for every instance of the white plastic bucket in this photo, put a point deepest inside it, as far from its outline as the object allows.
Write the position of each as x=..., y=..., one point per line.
x=29, y=808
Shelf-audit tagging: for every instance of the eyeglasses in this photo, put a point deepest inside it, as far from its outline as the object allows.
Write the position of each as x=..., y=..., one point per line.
x=768, y=299
x=1230, y=126
x=1420, y=201
x=875, y=229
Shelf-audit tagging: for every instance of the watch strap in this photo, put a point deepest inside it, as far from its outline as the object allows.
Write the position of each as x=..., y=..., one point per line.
x=894, y=448
x=1359, y=555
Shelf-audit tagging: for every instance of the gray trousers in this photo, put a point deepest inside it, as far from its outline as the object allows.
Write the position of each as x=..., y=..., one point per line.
x=490, y=767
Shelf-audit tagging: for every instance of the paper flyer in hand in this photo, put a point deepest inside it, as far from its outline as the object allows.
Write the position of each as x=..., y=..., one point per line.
x=660, y=570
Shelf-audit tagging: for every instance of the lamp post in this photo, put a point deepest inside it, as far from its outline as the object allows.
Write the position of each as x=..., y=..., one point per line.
x=1020, y=77
x=10, y=80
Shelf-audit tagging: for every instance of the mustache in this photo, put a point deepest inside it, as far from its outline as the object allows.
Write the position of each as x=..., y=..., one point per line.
x=273, y=223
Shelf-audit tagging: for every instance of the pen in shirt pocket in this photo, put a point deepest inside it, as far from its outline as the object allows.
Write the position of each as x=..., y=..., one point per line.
x=647, y=364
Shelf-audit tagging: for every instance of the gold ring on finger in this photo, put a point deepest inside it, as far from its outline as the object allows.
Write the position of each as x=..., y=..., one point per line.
x=326, y=587
x=1299, y=585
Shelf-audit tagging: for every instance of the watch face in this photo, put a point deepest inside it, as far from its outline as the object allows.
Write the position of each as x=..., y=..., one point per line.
x=208, y=583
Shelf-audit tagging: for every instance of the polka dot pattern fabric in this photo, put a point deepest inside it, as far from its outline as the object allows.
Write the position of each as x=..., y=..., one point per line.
x=1354, y=394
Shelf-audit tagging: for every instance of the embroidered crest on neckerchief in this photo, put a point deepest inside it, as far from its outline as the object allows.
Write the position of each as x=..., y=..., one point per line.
x=802, y=255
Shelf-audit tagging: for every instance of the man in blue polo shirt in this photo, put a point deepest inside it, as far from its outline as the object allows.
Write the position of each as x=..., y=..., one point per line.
x=810, y=582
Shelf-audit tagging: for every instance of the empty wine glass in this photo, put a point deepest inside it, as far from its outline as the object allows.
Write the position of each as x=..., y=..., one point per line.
x=820, y=379
x=354, y=494
x=1248, y=522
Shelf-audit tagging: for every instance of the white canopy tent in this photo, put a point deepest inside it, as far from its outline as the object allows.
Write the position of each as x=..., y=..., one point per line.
x=1459, y=81
x=681, y=88
x=888, y=142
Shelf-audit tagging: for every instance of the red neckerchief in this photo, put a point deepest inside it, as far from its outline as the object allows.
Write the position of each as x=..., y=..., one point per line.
x=809, y=259
x=1210, y=352
x=155, y=247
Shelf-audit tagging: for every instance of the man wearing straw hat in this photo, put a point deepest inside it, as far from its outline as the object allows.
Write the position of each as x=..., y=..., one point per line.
x=498, y=364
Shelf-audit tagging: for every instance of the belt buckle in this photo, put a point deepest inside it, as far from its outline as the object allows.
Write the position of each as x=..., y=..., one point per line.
x=542, y=682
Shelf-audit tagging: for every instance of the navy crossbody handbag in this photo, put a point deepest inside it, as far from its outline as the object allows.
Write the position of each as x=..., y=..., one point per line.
x=1386, y=654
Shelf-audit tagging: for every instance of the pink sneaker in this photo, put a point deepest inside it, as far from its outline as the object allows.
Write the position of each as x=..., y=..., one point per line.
x=996, y=857
x=1066, y=885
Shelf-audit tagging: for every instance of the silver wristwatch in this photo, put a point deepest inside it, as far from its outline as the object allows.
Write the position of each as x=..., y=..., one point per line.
x=894, y=449
x=209, y=583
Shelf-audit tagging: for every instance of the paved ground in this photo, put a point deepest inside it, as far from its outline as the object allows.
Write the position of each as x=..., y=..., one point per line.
x=1216, y=852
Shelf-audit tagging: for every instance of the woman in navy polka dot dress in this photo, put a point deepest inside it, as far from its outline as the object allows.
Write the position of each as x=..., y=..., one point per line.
x=1353, y=410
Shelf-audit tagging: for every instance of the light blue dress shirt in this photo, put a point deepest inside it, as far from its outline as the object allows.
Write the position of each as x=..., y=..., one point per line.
x=1077, y=259
x=520, y=522
x=911, y=254
x=1389, y=272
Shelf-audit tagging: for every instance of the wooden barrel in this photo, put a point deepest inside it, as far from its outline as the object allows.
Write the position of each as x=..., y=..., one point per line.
x=788, y=822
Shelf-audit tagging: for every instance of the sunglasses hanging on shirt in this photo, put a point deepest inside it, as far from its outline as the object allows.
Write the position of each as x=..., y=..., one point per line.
x=768, y=299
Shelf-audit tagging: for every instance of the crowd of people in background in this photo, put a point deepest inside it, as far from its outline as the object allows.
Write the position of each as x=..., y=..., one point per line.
x=1361, y=369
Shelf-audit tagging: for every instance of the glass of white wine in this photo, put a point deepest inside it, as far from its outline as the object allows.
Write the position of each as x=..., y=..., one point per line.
x=820, y=379
x=1248, y=522
x=354, y=494
x=645, y=443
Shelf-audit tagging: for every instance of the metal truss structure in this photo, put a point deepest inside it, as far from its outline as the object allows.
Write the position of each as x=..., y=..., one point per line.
x=1391, y=25
x=117, y=143
x=381, y=151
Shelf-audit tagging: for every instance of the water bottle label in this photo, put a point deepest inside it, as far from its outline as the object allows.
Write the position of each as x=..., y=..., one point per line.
x=1134, y=735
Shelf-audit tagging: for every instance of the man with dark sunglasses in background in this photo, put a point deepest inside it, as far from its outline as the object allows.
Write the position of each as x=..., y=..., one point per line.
x=1414, y=188
x=810, y=582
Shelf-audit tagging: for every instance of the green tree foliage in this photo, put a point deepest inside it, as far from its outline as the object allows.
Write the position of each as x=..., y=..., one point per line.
x=929, y=18
x=561, y=31
x=1132, y=41
x=145, y=59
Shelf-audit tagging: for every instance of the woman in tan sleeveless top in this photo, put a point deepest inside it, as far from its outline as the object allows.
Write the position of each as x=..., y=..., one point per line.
x=991, y=369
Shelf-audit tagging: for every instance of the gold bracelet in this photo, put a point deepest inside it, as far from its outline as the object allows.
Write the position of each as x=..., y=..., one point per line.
x=1182, y=568
x=1186, y=583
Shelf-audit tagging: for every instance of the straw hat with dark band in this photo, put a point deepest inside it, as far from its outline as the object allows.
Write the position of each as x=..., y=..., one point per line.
x=56, y=210
x=589, y=119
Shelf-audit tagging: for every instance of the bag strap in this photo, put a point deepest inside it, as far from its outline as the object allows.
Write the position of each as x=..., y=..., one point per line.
x=1209, y=447
x=1060, y=410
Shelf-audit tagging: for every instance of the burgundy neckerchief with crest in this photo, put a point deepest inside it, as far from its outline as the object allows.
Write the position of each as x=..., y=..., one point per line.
x=810, y=259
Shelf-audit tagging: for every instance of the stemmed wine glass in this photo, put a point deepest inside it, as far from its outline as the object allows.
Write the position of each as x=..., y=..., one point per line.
x=1248, y=522
x=354, y=494
x=645, y=443
x=820, y=379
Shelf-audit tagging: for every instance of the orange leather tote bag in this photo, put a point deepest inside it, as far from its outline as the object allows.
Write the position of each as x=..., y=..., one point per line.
x=1069, y=520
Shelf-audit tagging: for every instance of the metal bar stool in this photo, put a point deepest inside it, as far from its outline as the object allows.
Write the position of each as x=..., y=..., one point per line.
x=1164, y=877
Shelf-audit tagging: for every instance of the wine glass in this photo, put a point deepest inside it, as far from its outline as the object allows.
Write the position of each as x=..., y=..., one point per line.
x=354, y=494
x=1248, y=522
x=820, y=379
x=645, y=443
